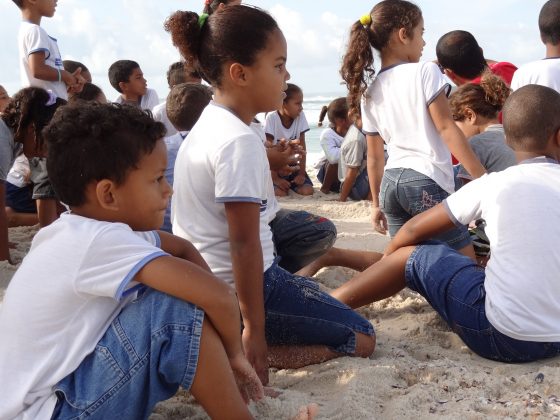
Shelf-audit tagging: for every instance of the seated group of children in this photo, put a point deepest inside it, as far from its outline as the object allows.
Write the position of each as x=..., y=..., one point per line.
x=108, y=314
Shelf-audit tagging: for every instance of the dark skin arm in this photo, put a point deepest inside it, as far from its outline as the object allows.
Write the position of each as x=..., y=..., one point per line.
x=41, y=70
x=421, y=227
x=246, y=257
x=375, y=167
x=4, y=247
x=349, y=180
x=181, y=248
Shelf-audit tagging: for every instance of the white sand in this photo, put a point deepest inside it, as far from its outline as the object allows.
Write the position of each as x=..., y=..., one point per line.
x=419, y=368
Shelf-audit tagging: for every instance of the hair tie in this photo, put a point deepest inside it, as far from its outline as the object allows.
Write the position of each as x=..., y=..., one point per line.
x=52, y=98
x=202, y=19
x=365, y=20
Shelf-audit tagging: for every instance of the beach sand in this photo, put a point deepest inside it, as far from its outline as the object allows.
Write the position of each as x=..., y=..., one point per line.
x=419, y=369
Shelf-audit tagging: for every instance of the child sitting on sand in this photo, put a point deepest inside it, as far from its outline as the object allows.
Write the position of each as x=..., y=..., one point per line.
x=29, y=111
x=127, y=79
x=222, y=194
x=289, y=123
x=331, y=139
x=510, y=310
x=106, y=317
x=184, y=104
x=475, y=109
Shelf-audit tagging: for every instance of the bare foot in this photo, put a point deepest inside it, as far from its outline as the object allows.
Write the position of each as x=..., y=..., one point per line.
x=308, y=412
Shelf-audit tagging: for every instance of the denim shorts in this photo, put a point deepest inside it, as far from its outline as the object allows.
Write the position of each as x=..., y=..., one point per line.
x=148, y=351
x=453, y=285
x=298, y=313
x=19, y=198
x=405, y=193
x=300, y=237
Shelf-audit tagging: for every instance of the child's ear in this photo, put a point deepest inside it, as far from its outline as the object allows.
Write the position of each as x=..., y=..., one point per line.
x=403, y=36
x=470, y=116
x=105, y=194
x=123, y=86
x=238, y=74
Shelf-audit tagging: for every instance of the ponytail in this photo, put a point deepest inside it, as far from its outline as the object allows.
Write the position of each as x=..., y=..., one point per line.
x=322, y=115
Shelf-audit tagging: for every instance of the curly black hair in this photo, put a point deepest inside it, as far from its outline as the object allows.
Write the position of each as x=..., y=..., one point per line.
x=89, y=141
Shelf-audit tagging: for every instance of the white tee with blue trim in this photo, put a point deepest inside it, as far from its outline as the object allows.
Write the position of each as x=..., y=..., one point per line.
x=395, y=107
x=34, y=39
x=222, y=160
x=74, y=281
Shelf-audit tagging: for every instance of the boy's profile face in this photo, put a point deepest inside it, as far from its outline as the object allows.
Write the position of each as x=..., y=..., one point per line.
x=45, y=8
x=143, y=197
x=136, y=84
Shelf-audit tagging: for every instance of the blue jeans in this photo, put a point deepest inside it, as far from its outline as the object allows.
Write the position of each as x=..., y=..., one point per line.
x=300, y=237
x=453, y=285
x=298, y=313
x=335, y=187
x=148, y=351
x=405, y=193
x=360, y=190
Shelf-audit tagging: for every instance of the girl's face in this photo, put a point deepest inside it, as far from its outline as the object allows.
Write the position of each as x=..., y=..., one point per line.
x=416, y=43
x=269, y=75
x=468, y=125
x=4, y=99
x=292, y=107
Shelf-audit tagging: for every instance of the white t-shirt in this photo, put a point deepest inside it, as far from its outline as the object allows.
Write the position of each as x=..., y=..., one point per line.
x=542, y=72
x=353, y=152
x=273, y=205
x=160, y=114
x=33, y=39
x=76, y=278
x=330, y=142
x=273, y=126
x=520, y=206
x=148, y=101
x=396, y=108
x=222, y=160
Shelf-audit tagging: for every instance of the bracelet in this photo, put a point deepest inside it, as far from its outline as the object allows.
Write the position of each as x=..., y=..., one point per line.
x=59, y=75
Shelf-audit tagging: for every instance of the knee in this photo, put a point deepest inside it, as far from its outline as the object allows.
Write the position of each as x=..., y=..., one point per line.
x=365, y=345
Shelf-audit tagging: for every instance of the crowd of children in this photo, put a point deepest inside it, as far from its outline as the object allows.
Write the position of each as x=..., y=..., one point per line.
x=127, y=295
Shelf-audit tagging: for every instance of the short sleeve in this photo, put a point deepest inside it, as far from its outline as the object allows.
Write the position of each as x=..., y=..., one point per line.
x=115, y=255
x=303, y=124
x=369, y=124
x=433, y=82
x=464, y=206
x=270, y=124
x=239, y=171
x=352, y=153
x=36, y=40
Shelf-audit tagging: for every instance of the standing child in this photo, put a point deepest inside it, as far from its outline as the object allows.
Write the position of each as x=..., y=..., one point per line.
x=544, y=72
x=331, y=140
x=222, y=186
x=510, y=310
x=29, y=111
x=405, y=105
x=127, y=79
x=40, y=59
x=110, y=323
x=289, y=123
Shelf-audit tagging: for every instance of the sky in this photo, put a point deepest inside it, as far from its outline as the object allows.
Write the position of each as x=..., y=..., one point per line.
x=99, y=32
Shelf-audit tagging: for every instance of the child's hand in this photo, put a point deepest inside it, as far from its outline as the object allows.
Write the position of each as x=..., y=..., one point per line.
x=281, y=184
x=256, y=350
x=378, y=220
x=299, y=179
x=80, y=82
x=249, y=384
x=71, y=79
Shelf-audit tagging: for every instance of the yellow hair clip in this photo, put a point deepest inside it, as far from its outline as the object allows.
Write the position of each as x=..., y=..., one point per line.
x=365, y=19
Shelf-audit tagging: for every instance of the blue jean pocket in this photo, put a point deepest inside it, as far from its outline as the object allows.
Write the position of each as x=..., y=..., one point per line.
x=107, y=371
